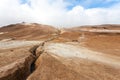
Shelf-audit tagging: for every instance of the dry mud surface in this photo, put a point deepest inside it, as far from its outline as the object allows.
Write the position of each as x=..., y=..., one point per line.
x=42, y=52
x=72, y=62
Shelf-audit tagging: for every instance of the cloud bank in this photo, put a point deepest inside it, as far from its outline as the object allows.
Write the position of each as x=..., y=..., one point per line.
x=57, y=13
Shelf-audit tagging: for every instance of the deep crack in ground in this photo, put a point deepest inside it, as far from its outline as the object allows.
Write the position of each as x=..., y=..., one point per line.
x=41, y=45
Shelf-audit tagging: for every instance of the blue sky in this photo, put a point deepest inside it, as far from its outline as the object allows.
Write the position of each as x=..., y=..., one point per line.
x=23, y=1
x=87, y=3
x=92, y=3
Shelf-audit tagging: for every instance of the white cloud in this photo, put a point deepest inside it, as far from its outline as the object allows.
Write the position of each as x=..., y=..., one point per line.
x=54, y=12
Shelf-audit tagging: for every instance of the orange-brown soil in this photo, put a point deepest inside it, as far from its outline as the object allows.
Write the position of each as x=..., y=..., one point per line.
x=78, y=53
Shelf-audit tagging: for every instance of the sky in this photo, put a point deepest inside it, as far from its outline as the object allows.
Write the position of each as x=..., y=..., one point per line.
x=60, y=13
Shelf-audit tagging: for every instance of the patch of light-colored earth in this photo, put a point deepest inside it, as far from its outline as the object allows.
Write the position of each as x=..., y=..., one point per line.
x=67, y=50
x=106, y=31
x=15, y=44
x=3, y=32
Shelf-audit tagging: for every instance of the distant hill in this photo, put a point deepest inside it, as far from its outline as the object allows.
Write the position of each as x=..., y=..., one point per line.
x=27, y=31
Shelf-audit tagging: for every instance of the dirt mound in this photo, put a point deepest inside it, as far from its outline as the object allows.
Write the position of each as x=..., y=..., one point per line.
x=26, y=31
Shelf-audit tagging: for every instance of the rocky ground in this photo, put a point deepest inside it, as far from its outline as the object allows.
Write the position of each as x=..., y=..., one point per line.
x=41, y=52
